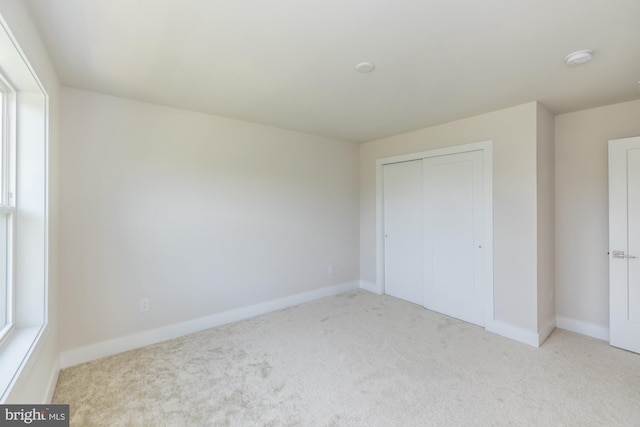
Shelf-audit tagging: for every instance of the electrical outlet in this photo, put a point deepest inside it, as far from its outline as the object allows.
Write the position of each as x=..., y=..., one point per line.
x=144, y=305
x=330, y=270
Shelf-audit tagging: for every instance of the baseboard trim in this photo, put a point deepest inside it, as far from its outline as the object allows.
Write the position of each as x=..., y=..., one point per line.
x=583, y=328
x=371, y=287
x=514, y=332
x=546, y=331
x=130, y=342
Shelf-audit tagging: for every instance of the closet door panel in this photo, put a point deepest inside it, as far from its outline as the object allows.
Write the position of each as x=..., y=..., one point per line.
x=452, y=196
x=403, y=221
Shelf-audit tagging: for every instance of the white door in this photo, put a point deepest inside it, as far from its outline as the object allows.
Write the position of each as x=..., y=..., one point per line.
x=453, y=235
x=624, y=243
x=403, y=230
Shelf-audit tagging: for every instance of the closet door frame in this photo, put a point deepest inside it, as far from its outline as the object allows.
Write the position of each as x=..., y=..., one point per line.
x=486, y=147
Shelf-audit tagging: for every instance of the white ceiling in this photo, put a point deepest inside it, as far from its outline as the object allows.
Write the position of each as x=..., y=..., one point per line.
x=291, y=63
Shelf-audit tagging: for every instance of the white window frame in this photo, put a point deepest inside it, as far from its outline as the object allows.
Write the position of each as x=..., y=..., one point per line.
x=7, y=197
x=29, y=134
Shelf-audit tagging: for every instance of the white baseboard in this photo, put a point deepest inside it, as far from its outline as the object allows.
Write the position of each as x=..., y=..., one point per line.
x=514, y=332
x=130, y=342
x=520, y=334
x=546, y=331
x=583, y=328
x=371, y=287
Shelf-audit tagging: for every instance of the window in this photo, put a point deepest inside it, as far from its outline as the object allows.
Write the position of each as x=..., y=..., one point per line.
x=24, y=215
x=7, y=205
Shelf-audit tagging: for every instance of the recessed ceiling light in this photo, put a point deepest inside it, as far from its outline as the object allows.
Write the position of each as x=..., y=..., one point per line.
x=365, y=67
x=579, y=57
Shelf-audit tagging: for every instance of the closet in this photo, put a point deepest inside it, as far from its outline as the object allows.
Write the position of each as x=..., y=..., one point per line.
x=434, y=225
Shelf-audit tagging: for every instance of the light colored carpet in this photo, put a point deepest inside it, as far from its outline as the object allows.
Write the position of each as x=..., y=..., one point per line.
x=356, y=359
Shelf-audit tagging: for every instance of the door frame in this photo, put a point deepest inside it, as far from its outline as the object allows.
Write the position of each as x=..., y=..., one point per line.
x=487, y=149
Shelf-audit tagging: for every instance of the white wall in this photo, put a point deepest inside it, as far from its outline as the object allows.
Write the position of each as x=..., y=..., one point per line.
x=513, y=132
x=546, y=221
x=198, y=213
x=582, y=263
x=36, y=380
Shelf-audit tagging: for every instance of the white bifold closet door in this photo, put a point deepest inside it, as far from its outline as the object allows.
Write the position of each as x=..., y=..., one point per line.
x=433, y=212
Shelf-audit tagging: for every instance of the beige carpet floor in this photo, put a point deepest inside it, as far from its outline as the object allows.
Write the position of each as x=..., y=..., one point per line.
x=356, y=359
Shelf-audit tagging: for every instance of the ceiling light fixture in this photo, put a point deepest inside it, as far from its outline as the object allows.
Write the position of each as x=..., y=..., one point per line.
x=579, y=57
x=365, y=67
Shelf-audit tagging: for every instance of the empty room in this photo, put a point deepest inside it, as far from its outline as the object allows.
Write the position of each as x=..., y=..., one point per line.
x=319, y=213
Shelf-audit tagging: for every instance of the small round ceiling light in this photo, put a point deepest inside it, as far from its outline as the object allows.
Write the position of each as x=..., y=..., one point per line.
x=579, y=57
x=365, y=67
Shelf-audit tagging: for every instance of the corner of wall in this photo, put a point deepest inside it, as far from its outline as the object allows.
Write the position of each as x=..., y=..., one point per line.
x=545, y=211
x=582, y=262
